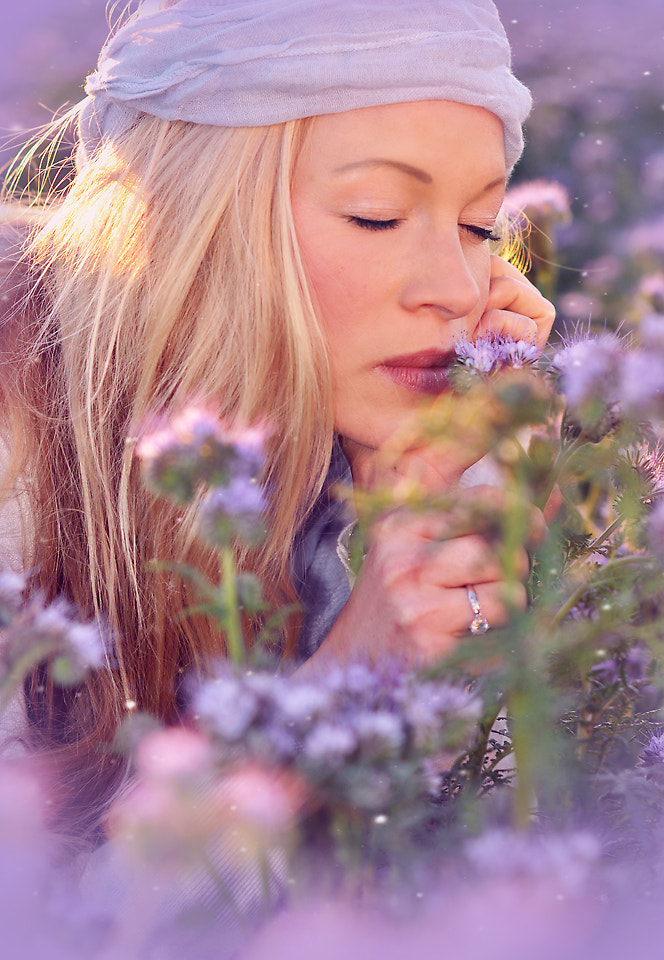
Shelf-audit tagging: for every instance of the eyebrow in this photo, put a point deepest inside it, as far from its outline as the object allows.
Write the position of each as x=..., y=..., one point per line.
x=420, y=175
x=415, y=172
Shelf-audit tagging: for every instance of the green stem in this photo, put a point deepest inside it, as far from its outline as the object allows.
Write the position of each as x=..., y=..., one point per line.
x=478, y=752
x=611, y=567
x=599, y=540
x=236, y=650
x=20, y=669
x=522, y=752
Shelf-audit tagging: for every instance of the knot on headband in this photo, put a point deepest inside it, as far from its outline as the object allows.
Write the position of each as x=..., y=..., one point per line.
x=258, y=62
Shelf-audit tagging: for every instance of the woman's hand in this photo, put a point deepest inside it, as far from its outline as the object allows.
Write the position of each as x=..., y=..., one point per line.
x=515, y=307
x=410, y=600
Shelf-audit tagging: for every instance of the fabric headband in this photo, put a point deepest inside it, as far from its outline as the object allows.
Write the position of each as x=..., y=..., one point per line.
x=252, y=63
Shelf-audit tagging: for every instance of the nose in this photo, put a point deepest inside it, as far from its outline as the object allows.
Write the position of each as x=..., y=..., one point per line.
x=443, y=276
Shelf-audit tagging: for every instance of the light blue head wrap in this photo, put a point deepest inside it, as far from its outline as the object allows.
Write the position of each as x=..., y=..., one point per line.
x=246, y=63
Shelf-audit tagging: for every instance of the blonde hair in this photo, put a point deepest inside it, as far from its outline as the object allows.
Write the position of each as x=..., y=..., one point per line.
x=169, y=271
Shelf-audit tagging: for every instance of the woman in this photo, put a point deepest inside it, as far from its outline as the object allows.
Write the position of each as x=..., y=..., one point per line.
x=284, y=209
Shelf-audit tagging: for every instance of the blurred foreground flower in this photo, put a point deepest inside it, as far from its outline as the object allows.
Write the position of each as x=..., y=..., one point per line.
x=192, y=448
x=33, y=632
x=194, y=457
x=359, y=735
x=236, y=509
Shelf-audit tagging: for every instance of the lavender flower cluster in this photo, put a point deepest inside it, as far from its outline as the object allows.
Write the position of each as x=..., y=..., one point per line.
x=35, y=631
x=356, y=730
x=493, y=352
x=195, y=449
x=608, y=380
x=566, y=858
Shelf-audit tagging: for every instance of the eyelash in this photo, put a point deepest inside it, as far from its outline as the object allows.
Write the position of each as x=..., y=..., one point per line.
x=374, y=224
x=482, y=233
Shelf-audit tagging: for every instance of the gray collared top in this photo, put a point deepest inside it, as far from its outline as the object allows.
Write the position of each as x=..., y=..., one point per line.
x=320, y=561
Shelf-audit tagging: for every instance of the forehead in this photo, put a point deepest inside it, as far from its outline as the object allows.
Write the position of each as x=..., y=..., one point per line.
x=431, y=136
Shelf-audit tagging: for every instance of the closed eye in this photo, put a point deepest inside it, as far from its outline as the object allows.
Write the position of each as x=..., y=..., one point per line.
x=482, y=233
x=374, y=224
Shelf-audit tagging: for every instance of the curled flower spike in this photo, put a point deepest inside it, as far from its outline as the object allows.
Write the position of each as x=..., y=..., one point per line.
x=494, y=352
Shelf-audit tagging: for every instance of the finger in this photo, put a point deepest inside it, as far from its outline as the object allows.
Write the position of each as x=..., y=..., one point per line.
x=509, y=290
x=508, y=324
x=438, y=469
x=468, y=559
x=434, y=622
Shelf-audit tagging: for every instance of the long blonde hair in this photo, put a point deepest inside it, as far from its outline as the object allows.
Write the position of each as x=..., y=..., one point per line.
x=169, y=271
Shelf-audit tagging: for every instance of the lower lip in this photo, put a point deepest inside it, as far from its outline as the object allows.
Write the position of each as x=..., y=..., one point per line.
x=426, y=380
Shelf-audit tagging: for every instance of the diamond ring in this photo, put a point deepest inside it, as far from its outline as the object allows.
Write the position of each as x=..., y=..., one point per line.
x=479, y=624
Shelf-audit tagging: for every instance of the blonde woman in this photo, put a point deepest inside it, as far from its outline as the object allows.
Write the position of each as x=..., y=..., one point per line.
x=283, y=208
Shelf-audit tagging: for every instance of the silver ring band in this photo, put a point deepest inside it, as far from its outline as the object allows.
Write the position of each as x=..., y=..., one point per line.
x=479, y=624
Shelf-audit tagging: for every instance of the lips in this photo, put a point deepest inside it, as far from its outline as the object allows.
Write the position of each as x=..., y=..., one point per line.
x=426, y=371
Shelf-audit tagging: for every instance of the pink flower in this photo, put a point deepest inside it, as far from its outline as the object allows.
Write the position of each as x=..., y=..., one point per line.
x=538, y=200
x=175, y=752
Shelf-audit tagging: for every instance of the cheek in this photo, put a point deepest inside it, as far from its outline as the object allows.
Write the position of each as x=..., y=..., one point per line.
x=342, y=281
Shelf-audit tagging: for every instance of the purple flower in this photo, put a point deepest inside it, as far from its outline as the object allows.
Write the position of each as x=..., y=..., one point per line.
x=183, y=451
x=642, y=384
x=73, y=647
x=651, y=332
x=234, y=510
x=381, y=716
x=379, y=732
x=567, y=858
x=589, y=371
x=589, y=367
x=301, y=702
x=651, y=759
x=37, y=632
x=329, y=744
x=630, y=666
x=493, y=352
x=651, y=290
x=228, y=705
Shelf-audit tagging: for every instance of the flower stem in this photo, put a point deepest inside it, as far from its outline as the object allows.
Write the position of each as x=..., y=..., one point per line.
x=236, y=650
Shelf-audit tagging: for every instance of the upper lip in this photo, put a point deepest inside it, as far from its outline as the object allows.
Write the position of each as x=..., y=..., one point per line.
x=422, y=358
